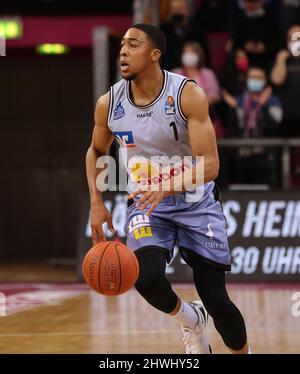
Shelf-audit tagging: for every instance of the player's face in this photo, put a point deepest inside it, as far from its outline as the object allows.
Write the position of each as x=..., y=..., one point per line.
x=135, y=54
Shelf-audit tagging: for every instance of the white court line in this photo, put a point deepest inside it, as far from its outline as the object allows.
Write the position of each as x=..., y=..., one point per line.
x=133, y=332
x=25, y=307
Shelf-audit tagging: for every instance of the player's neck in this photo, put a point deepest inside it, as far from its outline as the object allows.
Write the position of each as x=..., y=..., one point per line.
x=147, y=86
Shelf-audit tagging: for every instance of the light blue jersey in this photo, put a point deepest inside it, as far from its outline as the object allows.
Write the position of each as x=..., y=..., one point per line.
x=157, y=129
x=160, y=129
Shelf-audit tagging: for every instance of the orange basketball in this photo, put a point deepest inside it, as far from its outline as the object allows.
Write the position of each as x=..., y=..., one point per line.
x=110, y=268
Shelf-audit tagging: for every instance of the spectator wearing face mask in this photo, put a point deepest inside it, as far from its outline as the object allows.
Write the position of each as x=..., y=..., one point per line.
x=193, y=66
x=285, y=76
x=181, y=28
x=258, y=33
x=257, y=114
x=233, y=77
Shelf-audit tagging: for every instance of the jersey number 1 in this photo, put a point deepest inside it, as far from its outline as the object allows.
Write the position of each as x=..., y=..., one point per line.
x=173, y=124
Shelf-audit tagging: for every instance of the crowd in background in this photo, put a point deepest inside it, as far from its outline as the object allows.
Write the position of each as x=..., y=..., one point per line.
x=256, y=92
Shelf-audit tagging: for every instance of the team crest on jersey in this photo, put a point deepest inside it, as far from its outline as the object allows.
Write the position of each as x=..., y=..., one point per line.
x=170, y=105
x=119, y=111
x=125, y=138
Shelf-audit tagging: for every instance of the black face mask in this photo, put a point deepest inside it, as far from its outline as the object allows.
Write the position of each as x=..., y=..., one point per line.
x=178, y=18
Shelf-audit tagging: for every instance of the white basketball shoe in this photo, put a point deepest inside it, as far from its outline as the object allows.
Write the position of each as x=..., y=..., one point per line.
x=195, y=339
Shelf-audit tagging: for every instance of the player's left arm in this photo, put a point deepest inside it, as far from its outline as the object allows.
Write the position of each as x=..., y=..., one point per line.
x=202, y=135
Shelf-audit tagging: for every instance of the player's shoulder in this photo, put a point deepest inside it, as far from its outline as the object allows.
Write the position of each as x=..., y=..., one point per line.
x=193, y=99
x=192, y=91
x=191, y=87
x=103, y=101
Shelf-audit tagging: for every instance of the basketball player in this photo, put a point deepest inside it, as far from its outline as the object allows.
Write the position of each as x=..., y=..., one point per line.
x=154, y=112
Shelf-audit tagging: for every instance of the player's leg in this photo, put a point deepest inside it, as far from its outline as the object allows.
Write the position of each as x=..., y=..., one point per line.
x=203, y=240
x=155, y=288
x=153, y=238
x=153, y=285
x=210, y=285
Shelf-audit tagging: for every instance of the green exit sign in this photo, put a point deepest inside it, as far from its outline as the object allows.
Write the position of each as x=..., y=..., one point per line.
x=11, y=28
x=52, y=49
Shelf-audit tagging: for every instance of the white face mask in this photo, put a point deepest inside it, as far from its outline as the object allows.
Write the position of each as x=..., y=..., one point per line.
x=189, y=59
x=294, y=47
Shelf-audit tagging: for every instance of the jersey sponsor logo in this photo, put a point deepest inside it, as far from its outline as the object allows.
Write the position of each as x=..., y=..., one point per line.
x=125, y=138
x=142, y=170
x=119, y=111
x=170, y=105
x=143, y=232
x=164, y=175
x=214, y=245
x=140, y=226
x=144, y=115
x=148, y=172
x=138, y=221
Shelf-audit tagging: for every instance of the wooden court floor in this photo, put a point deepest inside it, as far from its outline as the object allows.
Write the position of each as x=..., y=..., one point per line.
x=89, y=323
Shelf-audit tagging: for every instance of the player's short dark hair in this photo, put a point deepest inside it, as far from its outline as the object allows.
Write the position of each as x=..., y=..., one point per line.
x=154, y=34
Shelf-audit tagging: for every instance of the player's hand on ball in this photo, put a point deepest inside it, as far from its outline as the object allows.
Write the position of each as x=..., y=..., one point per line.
x=99, y=215
x=148, y=198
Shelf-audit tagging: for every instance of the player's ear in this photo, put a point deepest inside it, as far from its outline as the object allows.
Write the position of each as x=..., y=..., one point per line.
x=155, y=54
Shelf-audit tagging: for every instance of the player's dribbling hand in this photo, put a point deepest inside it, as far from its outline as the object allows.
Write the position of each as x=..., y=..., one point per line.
x=149, y=198
x=99, y=215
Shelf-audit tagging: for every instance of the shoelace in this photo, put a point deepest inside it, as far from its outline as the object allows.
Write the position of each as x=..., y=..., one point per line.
x=187, y=337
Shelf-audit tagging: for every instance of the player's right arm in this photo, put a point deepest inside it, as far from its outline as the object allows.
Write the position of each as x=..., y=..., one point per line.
x=101, y=142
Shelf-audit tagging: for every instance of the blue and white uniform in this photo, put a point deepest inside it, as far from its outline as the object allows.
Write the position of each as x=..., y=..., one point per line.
x=160, y=129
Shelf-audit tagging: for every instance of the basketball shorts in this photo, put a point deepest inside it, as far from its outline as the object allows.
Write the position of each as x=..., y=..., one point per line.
x=197, y=226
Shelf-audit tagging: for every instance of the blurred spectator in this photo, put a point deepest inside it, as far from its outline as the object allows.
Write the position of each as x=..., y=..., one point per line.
x=258, y=33
x=233, y=83
x=193, y=66
x=256, y=113
x=237, y=7
x=292, y=12
x=233, y=77
x=212, y=15
x=179, y=29
x=286, y=78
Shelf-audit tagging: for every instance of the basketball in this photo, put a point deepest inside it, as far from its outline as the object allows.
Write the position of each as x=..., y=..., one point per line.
x=110, y=268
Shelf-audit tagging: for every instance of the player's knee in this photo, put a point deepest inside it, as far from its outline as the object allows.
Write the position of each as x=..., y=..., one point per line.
x=152, y=263
x=148, y=281
x=216, y=304
x=157, y=290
